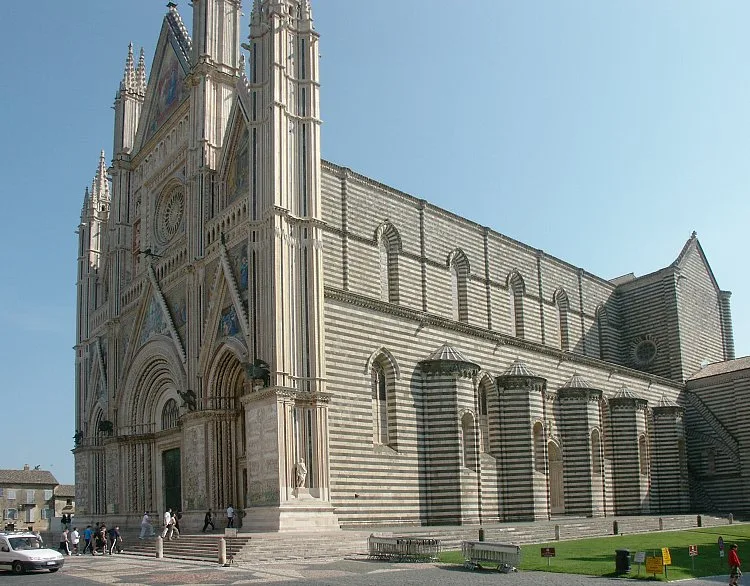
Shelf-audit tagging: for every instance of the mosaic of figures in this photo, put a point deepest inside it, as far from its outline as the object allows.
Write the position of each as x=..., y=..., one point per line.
x=168, y=93
x=153, y=322
x=239, y=169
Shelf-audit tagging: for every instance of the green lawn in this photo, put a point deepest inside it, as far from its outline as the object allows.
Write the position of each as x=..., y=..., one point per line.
x=596, y=556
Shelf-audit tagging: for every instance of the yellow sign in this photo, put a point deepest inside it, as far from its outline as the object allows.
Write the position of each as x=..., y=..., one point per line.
x=666, y=556
x=654, y=565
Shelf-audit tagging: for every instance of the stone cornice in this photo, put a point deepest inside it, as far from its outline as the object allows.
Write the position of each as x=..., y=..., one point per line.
x=264, y=393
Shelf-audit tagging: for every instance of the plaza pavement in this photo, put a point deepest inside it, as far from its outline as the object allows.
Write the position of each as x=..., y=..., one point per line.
x=127, y=570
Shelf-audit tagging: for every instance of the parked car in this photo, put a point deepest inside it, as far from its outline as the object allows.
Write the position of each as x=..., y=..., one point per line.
x=21, y=551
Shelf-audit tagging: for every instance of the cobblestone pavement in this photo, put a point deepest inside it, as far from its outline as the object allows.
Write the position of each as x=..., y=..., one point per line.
x=356, y=571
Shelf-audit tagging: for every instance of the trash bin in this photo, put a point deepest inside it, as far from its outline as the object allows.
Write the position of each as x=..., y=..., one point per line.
x=622, y=561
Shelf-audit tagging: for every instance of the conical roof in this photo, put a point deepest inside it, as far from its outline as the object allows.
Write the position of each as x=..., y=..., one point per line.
x=577, y=382
x=447, y=360
x=625, y=393
x=519, y=369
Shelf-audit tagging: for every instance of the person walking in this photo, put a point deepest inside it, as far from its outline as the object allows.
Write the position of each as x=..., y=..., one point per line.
x=75, y=538
x=88, y=534
x=208, y=520
x=734, y=565
x=167, y=523
x=64, y=543
x=147, y=529
x=176, y=516
x=230, y=516
x=115, y=540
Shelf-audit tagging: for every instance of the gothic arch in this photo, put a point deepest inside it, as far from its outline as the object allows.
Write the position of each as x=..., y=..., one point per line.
x=226, y=377
x=516, y=292
x=459, y=268
x=155, y=374
x=384, y=356
x=560, y=299
x=486, y=398
x=388, y=242
x=388, y=232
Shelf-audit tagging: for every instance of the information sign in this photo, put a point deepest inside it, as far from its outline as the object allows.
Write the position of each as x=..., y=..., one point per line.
x=548, y=552
x=640, y=557
x=654, y=565
x=693, y=550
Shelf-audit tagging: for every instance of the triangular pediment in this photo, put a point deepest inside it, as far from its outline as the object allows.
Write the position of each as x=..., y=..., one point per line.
x=166, y=85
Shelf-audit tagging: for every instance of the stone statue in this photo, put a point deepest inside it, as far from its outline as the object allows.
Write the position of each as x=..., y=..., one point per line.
x=300, y=473
x=188, y=399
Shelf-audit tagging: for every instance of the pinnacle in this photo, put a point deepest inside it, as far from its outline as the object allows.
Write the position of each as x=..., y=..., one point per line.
x=100, y=185
x=140, y=74
x=128, y=78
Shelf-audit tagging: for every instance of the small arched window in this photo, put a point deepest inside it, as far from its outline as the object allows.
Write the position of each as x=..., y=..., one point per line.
x=459, y=268
x=389, y=247
x=379, y=405
x=469, y=442
x=515, y=295
x=596, y=453
x=539, y=456
x=484, y=427
x=169, y=415
x=643, y=455
x=563, y=307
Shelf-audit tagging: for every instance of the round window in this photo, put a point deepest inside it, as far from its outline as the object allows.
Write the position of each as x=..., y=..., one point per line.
x=169, y=213
x=644, y=351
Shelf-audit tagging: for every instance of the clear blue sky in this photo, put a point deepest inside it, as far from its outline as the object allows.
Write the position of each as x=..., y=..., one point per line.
x=600, y=132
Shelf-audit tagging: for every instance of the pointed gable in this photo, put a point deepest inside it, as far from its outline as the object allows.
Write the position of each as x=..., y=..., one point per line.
x=693, y=246
x=166, y=85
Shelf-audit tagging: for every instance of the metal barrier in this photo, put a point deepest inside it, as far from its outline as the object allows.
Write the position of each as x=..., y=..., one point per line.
x=403, y=549
x=506, y=557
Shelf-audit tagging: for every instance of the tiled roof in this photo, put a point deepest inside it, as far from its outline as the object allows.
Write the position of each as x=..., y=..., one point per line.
x=625, y=393
x=66, y=490
x=577, y=382
x=447, y=352
x=723, y=367
x=665, y=402
x=518, y=368
x=19, y=477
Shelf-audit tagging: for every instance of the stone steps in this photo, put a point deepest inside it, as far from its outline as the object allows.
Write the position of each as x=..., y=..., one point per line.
x=329, y=545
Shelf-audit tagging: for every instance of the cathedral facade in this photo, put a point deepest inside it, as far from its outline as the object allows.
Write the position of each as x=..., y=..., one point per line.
x=262, y=328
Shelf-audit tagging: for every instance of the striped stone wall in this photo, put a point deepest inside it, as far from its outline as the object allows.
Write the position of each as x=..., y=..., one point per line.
x=423, y=476
x=718, y=441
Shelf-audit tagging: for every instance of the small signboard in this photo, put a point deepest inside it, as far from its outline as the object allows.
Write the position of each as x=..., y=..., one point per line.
x=666, y=556
x=548, y=552
x=654, y=565
x=693, y=550
x=640, y=557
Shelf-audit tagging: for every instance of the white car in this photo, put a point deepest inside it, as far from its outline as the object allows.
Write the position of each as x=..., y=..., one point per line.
x=22, y=550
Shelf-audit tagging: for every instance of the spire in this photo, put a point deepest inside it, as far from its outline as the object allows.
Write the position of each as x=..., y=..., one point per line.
x=140, y=74
x=128, y=78
x=84, y=209
x=100, y=185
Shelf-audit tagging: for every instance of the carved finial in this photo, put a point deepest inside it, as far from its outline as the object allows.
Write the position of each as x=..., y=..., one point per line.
x=100, y=186
x=694, y=234
x=140, y=74
x=128, y=78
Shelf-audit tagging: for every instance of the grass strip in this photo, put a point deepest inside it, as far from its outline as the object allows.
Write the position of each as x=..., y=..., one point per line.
x=596, y=556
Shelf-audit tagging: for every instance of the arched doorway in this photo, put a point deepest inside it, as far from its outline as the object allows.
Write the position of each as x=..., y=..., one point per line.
x=556, y=485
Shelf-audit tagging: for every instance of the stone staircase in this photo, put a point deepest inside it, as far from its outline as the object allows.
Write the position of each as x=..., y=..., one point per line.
x=200, y=547
x=260, y=548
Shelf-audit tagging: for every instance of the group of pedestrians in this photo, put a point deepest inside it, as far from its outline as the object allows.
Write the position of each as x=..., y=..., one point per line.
x=98, y=540
x=171, y=524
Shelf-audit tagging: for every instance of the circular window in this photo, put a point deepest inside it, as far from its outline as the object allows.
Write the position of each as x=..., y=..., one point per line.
x=644, y=351
x=169, y=214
